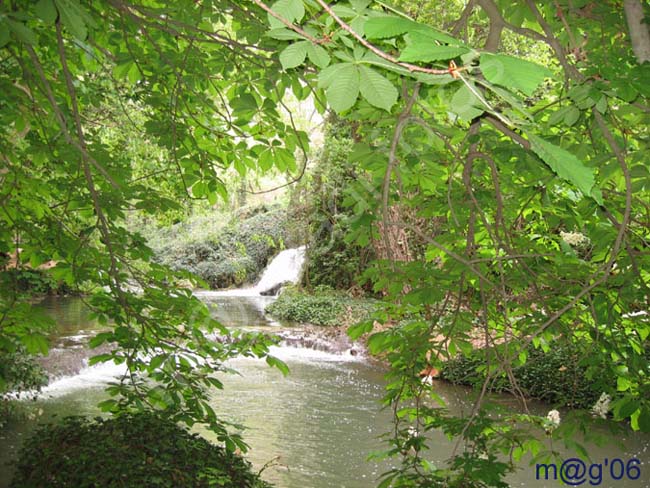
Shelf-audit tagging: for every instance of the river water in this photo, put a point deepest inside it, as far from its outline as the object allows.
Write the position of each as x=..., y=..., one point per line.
x=316, y=426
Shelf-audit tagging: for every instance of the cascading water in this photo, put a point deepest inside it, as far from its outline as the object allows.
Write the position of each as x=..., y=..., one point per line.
x=284, y=268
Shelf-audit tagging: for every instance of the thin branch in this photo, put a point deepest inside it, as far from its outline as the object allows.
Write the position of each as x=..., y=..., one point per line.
x=104, y=229
x=464, y=18
x=508, y=132
x=551, y=40
x=376, y=50
x=402, y=122
x=290, y=25
x=61, y=117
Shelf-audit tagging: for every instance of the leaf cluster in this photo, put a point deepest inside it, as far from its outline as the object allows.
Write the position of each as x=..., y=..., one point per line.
x=127, y=451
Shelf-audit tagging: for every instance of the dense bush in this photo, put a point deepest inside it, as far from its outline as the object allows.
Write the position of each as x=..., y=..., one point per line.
x=231, y=256
x=556, y=376
x=19, y=373
x=30, y=281
x=131, y=451
x=321, y=307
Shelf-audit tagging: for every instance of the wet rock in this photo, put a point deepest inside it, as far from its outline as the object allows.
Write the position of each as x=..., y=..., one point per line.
x=274, y=290
x=331, y=339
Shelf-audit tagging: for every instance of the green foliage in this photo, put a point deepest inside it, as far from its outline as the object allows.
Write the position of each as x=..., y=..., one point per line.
x=232, y=256
x=557, y=376
x=478, y=175
x=128, y=451
x=19, y=374
x=31, y=281
x=24, y=335
x=508, y=71
x=331, y=261
x=474, y=171
x=106, y=112
x=322, y=306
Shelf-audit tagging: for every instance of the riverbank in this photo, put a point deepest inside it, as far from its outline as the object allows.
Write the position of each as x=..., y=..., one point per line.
x=556, y=375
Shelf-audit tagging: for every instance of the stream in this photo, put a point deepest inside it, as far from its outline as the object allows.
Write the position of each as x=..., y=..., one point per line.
x=317, y=425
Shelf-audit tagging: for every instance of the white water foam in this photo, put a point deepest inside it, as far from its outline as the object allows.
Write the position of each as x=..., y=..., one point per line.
x=99, y=375
x=284, y=268
x=308, y=355
x=96, y=376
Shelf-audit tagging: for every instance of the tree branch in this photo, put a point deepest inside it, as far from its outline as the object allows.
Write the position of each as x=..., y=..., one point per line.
x=402, y=122
x=376, y=50
x=639, y=32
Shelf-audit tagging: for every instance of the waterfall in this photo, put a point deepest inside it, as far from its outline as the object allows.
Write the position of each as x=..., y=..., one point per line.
x=285, y=268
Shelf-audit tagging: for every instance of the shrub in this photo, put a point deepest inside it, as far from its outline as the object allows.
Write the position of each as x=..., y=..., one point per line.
x=557, y=376
x=19, y=374
x=322, y=307
x=133, y=450
x=19, y=371
x=31, y=281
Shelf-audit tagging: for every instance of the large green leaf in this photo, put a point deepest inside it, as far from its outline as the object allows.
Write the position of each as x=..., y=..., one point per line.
x=21, y=31
x=466, y=104
x=294, y=54
x=567, y=166
x=35, y=343
x=385, y=27
x=343, y=89
x=376, y=89
x=644, y=420
x=318, y=55
x=4, y=33
x=424, y=33
x=509, y=72
x=73, y=17
x=328, y=75
x=425, y=48
x=291, y=10
x=426, y=52
x=46, y=10
x=277, y=363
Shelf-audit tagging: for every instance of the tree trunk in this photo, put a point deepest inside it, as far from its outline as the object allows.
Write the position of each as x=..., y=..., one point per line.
x=639, y=32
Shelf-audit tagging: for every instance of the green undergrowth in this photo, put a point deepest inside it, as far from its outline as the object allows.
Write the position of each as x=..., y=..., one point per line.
x=20, y=374
x=224, y=254
x=28, y=282
x=322, y=306
x=129, y=451
x=558, y=376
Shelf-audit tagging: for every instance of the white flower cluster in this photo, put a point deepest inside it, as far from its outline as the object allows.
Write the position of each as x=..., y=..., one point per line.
x=575, y=239
x=552, y=420
x=602, y=408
